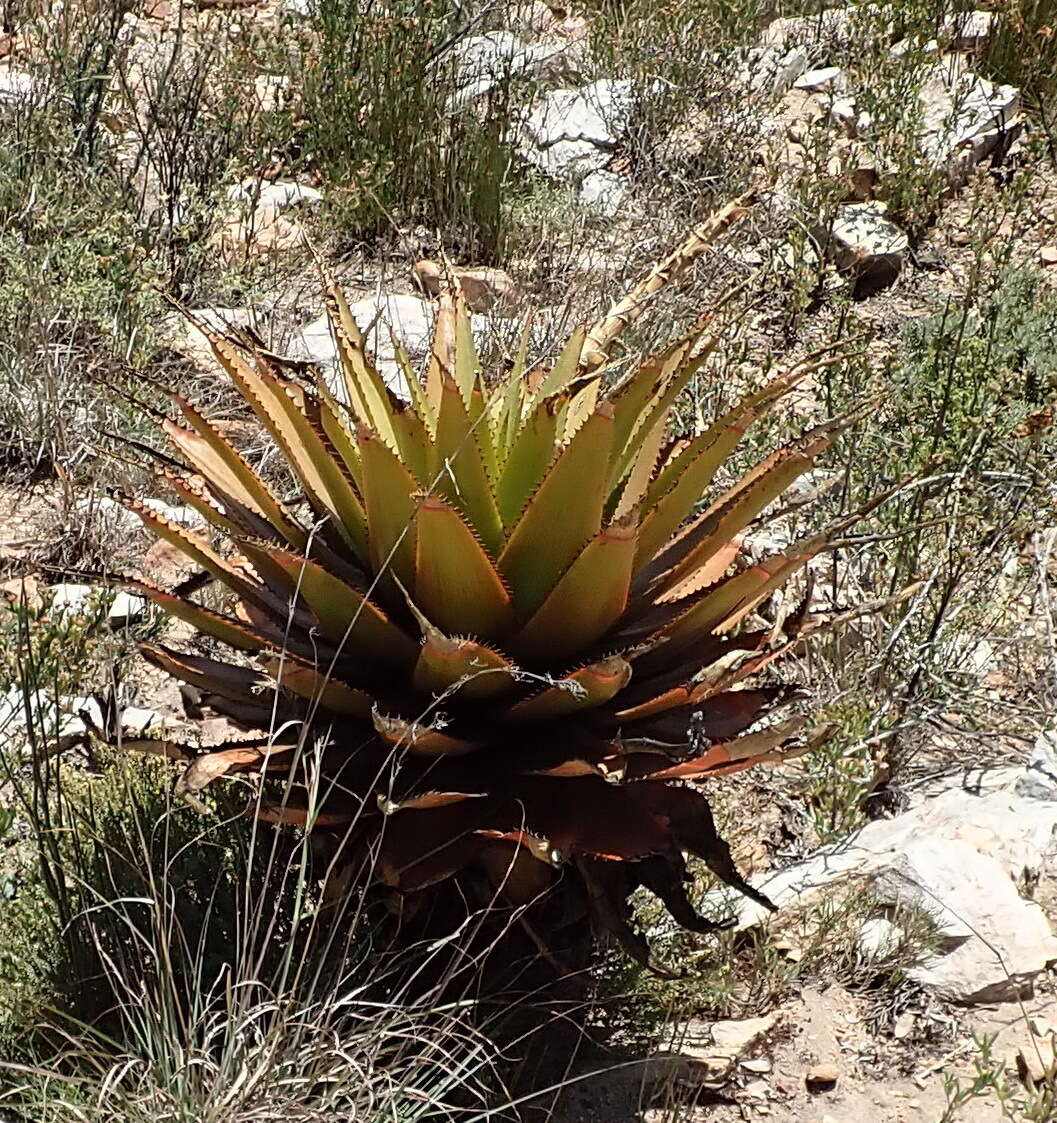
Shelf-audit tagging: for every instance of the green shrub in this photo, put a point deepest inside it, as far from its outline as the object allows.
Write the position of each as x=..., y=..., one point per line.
x=378, y=124
x=966, y=395
x=1023, y=52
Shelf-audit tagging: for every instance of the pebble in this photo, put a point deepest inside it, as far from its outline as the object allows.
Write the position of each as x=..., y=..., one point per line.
x=757, y=1089
x=826, y=78
x=1048, y=255
x=757, y=1064
x=904, y=1025
x=822, y=1075
x=1037, y=1063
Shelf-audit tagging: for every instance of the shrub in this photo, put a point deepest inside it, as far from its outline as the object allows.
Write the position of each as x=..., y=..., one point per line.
x=381, y=128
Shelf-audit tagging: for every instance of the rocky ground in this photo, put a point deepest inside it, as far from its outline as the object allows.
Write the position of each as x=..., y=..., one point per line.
x=980, y=1008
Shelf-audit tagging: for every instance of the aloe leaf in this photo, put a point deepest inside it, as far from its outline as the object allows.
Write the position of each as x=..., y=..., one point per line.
x=309, y=682
x=277, y=405
x=564, y=513
x=370, y=396
x=582, y=689
x=456, y=583
x=461, y=467
x=388, y=496
x=681, y=483
x=346, y=615
x=643, y=468
x=200, y=552
x=242, y=684
x=210, y=623
x=467, y=364
x=566, y=367
x=733, y=512
x=451, y=665
x=419, y=739
x=441, y=363
x=213, y=456
x=532, y=452
x=585, y=602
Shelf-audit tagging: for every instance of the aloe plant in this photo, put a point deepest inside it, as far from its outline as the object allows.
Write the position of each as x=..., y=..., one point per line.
x=499, y=629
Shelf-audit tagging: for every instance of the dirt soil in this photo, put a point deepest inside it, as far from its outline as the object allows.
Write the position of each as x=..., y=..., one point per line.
x=878, y=1079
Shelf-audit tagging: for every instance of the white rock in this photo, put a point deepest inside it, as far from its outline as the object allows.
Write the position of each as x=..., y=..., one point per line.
x=533, y=17
x=812, y=484
x=843, y=113
x=757, y=1064
x=188, y=340
x=573, y=132
x=904, y=1025
x=86, y=705
x=929, y=48
x=1014, y=838
x=410, y=317
x=734, y=1037
x=969, y=31
x=1039, y=778
x=827, y=78
x=315, y=343
x=553, y=143
x=865, y=242
x=61, y=727
x=271, y=91
x=71, y=598
x=256, y=193
x=482, y=62
x=965, y=121
x=793, y=261
x=775, y=71
x=979, y=659
x=705, y=1051
x=136, y=720
x=604, y=191
x=879, y=938
x=997, y=941
x=126, y=609
x=16, y=86
x=832, y=27
x=757, y=1090
x=766, y=543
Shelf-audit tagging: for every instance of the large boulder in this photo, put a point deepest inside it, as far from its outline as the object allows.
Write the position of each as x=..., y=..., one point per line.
x=829, y=30
x=964, y=121
x=411, y=319
x=483, y=62
x=963, y=858
x=572, y=133
x=993, y=941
